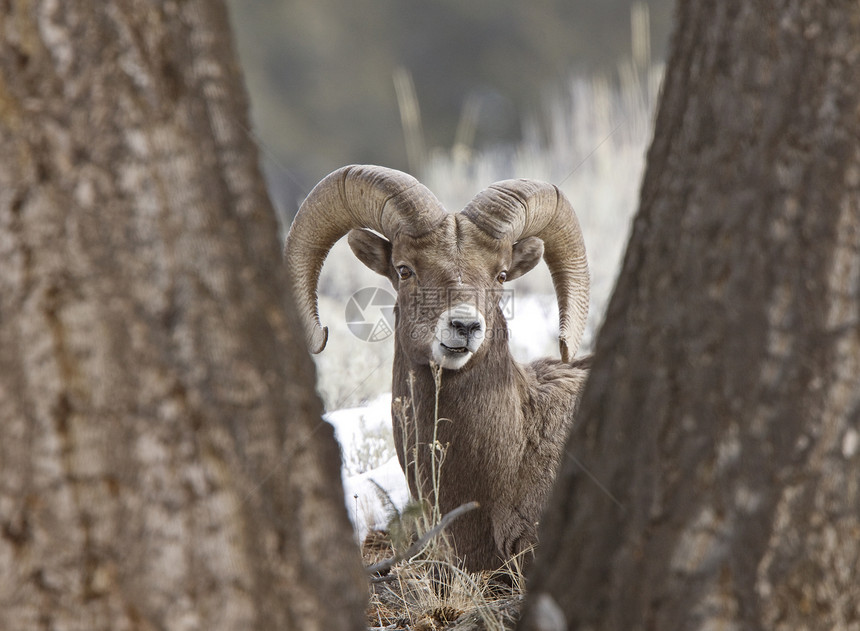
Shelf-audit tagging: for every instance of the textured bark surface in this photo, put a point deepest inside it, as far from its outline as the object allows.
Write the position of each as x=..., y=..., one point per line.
x=162, y=460
x=722, y=416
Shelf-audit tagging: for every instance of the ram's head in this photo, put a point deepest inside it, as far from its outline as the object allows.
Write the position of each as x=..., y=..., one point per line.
x=448, y=269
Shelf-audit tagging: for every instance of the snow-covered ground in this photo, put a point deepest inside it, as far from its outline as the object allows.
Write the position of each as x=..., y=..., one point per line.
x=372, y=493
x=371, y=497
x=364, y=434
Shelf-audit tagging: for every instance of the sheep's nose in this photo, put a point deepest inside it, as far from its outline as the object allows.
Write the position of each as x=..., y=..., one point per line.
x=464, y=327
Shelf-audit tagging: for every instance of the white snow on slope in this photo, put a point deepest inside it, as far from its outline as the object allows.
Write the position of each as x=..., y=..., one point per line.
x=368, y=495
x=351, y=424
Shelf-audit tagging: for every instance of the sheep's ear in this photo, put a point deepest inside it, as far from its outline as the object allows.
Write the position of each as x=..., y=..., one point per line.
x=372, y=250
x=526, y=255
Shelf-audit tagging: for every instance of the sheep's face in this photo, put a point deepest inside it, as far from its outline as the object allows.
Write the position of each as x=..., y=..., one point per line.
x=449, y=284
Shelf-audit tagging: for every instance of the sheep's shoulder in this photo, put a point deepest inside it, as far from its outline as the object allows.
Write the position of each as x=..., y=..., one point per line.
x=558, y=382
x=554, y=391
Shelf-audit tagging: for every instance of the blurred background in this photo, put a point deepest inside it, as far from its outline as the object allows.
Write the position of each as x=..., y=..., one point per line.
x=460, y=94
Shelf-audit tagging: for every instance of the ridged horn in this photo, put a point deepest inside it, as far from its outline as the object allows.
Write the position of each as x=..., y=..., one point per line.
x=516, y=209
x=355, y=196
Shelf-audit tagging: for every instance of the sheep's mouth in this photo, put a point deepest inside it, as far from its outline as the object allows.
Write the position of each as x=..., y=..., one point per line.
x=455, y=349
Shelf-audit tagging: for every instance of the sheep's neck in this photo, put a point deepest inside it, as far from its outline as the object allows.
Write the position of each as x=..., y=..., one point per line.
x=480, y=420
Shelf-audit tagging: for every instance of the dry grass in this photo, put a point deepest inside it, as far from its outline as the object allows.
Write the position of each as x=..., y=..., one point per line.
x=430, y=591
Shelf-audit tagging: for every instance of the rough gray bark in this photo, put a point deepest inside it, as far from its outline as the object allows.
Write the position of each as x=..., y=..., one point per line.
x=162, y=460
x=722, y=415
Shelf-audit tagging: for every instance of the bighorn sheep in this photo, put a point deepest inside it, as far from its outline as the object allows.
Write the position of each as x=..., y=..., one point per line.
x=507, y=422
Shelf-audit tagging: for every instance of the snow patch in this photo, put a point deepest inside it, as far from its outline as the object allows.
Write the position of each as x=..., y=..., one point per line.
x=372, y=497
x=364, y=434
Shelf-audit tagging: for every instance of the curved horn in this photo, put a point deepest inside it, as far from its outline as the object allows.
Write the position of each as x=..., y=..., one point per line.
x=355, y=196
x=516, y=209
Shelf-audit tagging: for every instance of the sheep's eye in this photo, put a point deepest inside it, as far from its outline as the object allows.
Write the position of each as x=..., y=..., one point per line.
x=502, y=277
x=404, y=272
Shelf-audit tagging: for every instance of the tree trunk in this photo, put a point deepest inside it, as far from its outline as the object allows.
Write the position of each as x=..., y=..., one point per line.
x=163, y=464
x=713, y=477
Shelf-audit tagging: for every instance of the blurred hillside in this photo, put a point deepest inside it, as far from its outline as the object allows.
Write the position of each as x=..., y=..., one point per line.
x=321, y=73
